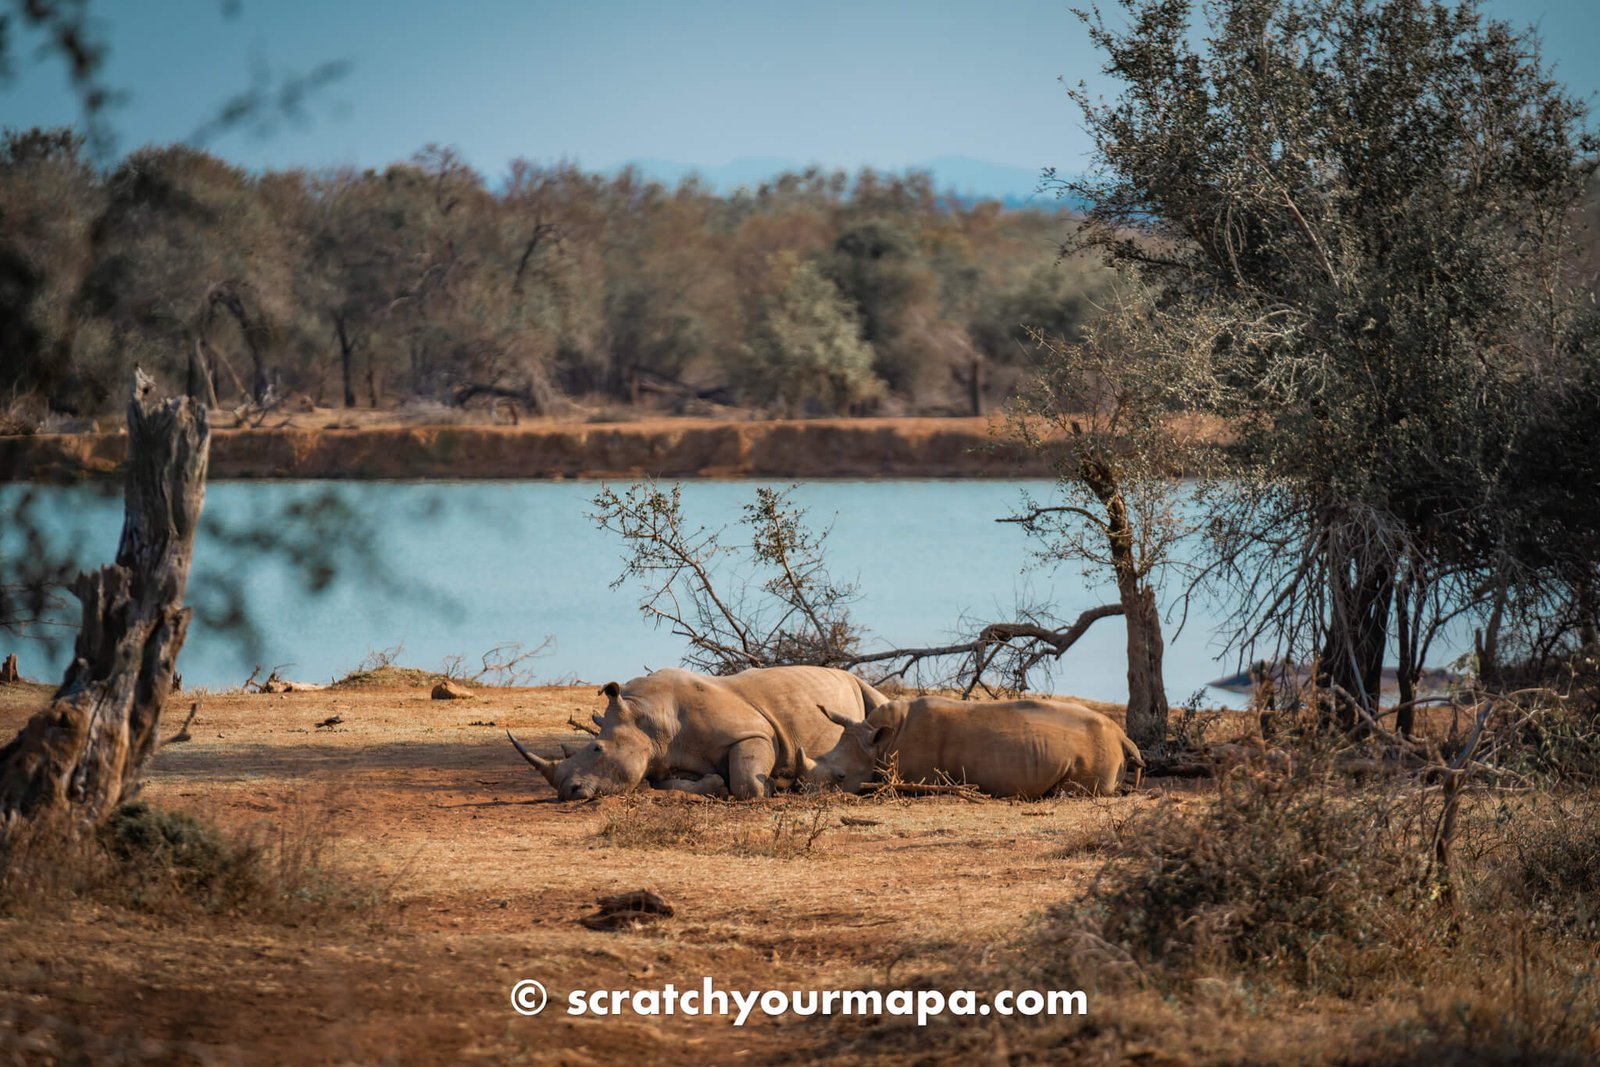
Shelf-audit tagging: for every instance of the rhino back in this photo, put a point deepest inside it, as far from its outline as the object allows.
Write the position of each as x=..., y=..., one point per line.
x=793, y=696
x=1025, y=748
x=694, y=719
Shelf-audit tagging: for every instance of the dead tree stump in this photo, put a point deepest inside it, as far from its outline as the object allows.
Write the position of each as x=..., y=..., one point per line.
x=82, y=755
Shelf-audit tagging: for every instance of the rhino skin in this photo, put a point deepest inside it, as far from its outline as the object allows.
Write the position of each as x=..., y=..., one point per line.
x=742, y=734
x=1011, y=748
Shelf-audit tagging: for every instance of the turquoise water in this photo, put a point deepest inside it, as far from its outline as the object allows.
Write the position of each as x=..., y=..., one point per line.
x=456, y=568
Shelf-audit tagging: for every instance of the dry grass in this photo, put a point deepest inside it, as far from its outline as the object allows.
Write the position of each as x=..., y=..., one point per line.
x=1303, y=920
x=1351, y=955
x=781, y=828
x=174, y=865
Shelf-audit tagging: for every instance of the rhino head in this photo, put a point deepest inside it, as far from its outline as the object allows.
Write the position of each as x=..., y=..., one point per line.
x=614, y=762
x=851, y=763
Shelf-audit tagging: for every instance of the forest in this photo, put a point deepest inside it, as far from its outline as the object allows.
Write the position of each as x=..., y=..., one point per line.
x=548, y=287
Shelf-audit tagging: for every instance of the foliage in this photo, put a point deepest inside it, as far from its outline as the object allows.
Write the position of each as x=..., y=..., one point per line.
x=1360, y=214
x=1297, y=879
x=805, y=350
x=424, y=280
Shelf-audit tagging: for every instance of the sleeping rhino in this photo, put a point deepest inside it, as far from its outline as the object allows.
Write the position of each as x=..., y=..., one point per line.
x=1012, y=748
x=740, y=734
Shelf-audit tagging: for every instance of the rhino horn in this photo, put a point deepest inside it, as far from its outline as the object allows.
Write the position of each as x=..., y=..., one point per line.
x=567, y=749
x=546, y=767
x=842, y=720
x=803, y=761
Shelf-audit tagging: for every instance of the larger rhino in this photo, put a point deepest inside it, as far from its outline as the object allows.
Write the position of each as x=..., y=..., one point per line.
x=1012, y=748
x=741, y=734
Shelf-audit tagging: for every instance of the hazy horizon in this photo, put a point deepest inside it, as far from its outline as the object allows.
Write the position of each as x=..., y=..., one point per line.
x=705, y=85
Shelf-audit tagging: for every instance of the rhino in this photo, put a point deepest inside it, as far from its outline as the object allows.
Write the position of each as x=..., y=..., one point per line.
x=1012, y=748
x=742, y=734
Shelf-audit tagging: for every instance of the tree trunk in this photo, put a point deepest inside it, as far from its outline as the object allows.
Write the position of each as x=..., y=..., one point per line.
x=1360, y=593
x=347, y=351
x=1487, y=641
x=82, y=755
x=201, y=383
x=1407, y=669
x=1147, y=689
x=1147, y=692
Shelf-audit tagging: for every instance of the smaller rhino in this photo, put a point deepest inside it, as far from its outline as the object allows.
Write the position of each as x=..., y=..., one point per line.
x=1012, y=748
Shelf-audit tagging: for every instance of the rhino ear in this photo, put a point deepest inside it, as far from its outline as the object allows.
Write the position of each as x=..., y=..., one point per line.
x=598, y=719
x=880, y=736
x=611, y=689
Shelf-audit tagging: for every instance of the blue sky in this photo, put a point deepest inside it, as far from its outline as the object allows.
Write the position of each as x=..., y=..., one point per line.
x=841, y=83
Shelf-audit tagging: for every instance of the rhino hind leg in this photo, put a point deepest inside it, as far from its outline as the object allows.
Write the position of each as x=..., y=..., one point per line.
x=711, y=785
x=750, y=765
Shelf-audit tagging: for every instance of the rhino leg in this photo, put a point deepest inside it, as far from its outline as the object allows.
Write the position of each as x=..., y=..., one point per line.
x=750, y=764
x=711, y=785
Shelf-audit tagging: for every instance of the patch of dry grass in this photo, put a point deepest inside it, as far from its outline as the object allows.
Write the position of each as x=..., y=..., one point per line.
x=1302, y=920
x=783, y=828
x=172, y=864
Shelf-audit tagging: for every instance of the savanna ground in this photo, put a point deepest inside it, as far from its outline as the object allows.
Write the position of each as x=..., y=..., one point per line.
x=419, y=869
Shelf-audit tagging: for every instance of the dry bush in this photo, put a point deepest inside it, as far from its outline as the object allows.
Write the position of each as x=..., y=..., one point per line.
x=173, y=864
x=1553, y=866
x=791, y=827
x=1527, y=1007
x=1100, y=835
x=1554, y=740
x=1306, y=881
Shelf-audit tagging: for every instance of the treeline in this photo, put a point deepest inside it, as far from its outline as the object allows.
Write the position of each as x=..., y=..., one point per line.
x=816, y=293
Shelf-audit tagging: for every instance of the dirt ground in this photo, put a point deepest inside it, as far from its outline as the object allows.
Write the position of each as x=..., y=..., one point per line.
x=488, y=875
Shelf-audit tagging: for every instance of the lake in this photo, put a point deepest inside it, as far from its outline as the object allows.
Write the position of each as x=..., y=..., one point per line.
x=456, y=568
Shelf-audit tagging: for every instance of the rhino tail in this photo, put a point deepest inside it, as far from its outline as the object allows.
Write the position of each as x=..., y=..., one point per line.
x=1132, y=756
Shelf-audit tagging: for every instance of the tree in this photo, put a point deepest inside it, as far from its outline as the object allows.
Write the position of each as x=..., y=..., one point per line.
x=805, y=345
x=796, y=615
x=1106, y=409
x=51, y=198
x=1357, y=211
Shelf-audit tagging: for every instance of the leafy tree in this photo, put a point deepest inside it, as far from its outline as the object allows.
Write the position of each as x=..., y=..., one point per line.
x=1357, y=209
x=51, y=197
x=805, y=347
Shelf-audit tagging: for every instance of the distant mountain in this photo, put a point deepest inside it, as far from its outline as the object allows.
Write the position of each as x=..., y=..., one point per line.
x=970, y=180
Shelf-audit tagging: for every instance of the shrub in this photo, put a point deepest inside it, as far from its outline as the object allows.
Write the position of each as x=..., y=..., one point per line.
x=1297, y=879
x=169, y=863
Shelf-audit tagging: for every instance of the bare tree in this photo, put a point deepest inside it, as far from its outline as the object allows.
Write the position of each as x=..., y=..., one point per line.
x=699, y=584
x=796, y=614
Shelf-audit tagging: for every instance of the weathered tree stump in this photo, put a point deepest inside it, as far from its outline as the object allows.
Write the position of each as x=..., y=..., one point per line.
x=82, y=755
